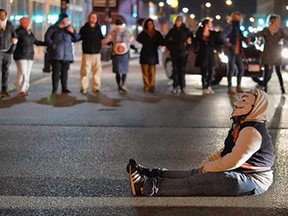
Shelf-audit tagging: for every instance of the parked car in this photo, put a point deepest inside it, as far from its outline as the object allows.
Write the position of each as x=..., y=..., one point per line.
x=251, y=60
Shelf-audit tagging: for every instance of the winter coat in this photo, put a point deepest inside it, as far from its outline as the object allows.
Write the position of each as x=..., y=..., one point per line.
x=206, y=50
x=176, y=39
x=6, y=37
x=230, y=34
x=149, y=51
x=59, y=42
x=271, y=54
x=24, y=47
x=91, y=39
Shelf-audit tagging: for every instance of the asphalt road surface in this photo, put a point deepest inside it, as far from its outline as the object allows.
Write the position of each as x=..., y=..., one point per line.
x=67, y=154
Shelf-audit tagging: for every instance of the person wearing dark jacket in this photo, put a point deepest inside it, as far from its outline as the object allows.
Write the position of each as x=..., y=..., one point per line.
x=206, y=43
x=91, y=37
x=177, y=41
x=271, y=55
x=150, y=39
x=232, y=37
x=59, y=38
x=8, y=41
x=24, y=54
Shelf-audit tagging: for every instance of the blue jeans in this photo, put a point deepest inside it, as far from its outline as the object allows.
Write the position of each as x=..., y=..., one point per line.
x=190, y=183
x=235, y=60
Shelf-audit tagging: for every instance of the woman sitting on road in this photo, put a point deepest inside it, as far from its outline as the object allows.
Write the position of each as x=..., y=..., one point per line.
x=241, y=167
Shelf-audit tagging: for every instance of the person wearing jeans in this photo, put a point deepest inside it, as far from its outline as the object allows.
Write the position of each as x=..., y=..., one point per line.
x=271, y=55
x=8, y=41
x=241, y=167
x=177, y=42
x=232, y=37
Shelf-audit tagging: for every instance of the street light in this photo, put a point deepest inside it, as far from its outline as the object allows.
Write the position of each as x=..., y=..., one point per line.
x=192, y=16
x=185, y=10
x=228, y=2
x=217, y=17
x=208, y=4
x=161, y=4
x=252, y=19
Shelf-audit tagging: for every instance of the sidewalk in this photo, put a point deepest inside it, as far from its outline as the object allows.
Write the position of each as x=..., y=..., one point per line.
x=38, y=65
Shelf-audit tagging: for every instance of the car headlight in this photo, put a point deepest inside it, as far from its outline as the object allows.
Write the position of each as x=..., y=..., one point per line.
x=284, y=53
x=223, y=58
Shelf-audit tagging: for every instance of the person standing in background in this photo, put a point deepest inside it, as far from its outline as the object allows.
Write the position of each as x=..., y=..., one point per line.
x=177, y=41
x=232, y=37
x=120, y=38
x=150, y=39
x=59, y=38
x=8, y=41
x=206, y=43
x=91, y=37
x=24, y=54
x=271, y=55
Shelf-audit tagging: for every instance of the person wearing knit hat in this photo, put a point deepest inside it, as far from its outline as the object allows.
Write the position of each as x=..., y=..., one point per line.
x=179, y=19
x=120, y=38
x=24, y=55
x=61, y=17
x=25, y=22
x=59, y=38
x=7, y=46
x=178, y=40
x=119, y=22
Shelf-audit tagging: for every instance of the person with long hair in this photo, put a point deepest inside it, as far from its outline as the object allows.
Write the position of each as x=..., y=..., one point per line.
x=206, y=43
x=91, y=36
x=232, y=37
x=150, y=39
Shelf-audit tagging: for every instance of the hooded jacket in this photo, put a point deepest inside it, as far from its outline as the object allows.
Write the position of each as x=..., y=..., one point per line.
x=248, y=146
x=91, y=39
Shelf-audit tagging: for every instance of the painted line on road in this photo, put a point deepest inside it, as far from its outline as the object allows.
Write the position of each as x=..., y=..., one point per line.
x=89, y=202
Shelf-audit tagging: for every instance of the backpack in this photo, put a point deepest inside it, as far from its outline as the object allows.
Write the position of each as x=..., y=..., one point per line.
x=121, y=43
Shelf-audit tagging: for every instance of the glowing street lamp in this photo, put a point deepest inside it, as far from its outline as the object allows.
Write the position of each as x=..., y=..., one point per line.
x=252, y=19
x=192, y=16
x=185, y=10
x=161, y=4
x=217, y=17
x=228, y=2
x=208, y=4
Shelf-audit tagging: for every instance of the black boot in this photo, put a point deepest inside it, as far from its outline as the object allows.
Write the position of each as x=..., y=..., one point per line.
x=151, y=173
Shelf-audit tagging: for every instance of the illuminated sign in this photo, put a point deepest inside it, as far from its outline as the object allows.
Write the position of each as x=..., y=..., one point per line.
x=104, y=3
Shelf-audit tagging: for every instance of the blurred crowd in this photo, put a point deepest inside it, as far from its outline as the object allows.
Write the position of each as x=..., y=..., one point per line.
x=59, y=38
